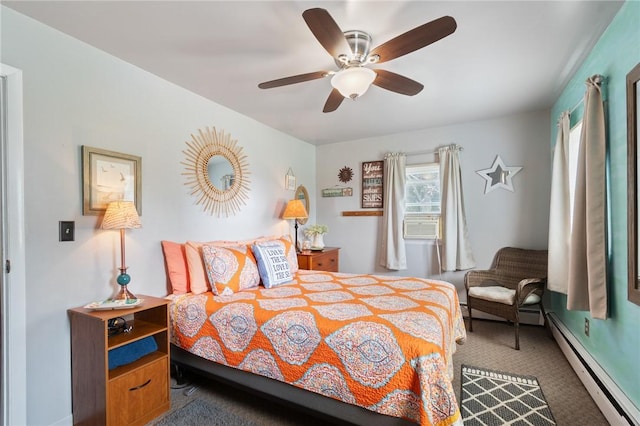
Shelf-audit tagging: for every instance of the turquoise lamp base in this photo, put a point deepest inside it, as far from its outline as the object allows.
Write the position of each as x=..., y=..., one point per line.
x=123, y=279
x=124, y=293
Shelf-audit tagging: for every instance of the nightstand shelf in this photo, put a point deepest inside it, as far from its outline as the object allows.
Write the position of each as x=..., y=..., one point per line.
x=325, y=260
x=140, y=330
x=131, y=394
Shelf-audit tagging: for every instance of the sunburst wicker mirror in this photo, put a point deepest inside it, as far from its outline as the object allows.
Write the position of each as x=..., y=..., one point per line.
x=217, y=172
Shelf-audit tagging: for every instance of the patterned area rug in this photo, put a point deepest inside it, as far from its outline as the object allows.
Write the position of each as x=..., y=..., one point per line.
x=496, y=398
x=198, y=413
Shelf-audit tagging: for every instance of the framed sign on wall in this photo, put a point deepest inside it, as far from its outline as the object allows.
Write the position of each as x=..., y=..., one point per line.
x=372, y=181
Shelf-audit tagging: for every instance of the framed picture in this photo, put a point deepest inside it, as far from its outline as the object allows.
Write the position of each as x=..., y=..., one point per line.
x=109, y=176
x=290, y=182
x=372, y=181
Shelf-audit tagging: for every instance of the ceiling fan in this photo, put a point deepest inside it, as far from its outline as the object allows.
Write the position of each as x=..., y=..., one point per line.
x=352, y=54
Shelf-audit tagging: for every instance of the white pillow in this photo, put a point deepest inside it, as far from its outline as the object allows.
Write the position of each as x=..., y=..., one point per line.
x=273, y=265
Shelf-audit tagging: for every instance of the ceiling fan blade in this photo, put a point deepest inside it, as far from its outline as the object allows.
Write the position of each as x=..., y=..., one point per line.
x=415, y=39
x=325, y=29
x=333, y=101
x=293, y=79
x=397, y=83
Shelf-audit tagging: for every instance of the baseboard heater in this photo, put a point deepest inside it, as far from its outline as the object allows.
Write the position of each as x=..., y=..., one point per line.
x=613, y=403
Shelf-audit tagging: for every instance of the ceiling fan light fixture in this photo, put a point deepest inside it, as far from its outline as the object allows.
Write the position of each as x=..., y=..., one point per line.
x=353, y=82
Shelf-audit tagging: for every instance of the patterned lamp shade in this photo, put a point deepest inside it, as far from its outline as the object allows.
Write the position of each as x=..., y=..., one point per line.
x=121, y=215
x=295, y=210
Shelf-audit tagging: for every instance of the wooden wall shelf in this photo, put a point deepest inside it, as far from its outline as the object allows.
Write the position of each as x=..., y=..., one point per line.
x=362, y=213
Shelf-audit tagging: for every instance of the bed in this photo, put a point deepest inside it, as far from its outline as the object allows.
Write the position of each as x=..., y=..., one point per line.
x=364, y=349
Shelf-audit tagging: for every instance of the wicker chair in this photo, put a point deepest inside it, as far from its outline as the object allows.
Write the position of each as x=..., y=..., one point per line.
x=517, y=278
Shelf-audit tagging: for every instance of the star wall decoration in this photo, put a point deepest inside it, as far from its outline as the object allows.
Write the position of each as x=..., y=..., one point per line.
x=498, y=176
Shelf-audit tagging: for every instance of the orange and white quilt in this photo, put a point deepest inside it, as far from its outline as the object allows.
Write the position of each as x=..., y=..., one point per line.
x=380, y=342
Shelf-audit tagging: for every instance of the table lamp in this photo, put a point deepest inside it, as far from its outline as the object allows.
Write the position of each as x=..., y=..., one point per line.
x=295, y=210
x=122, y=215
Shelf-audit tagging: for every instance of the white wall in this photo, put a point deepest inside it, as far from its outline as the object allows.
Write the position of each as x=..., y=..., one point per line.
x=497, y=219
x=76, y=95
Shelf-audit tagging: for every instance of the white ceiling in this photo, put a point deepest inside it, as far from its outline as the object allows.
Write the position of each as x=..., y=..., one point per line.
x=504, y=58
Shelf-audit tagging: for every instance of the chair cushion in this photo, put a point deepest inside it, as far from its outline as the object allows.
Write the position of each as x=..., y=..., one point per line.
x=500, y=294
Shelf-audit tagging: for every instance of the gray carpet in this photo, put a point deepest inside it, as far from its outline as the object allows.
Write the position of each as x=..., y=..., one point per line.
x=245, y=408
x=490, y=346
x=496, y=398
x=201, y=412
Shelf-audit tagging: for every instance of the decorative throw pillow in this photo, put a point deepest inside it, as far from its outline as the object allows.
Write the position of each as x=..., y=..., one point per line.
x=176, y=263
x=198, y=281
x=230, y=269
x=289, y=248
x=272, y=263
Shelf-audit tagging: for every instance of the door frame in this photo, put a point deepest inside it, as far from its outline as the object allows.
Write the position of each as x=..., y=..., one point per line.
x=12, y=236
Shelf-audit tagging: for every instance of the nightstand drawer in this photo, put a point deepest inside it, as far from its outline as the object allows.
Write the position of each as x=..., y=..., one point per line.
x=327, y=260
x=135, y=398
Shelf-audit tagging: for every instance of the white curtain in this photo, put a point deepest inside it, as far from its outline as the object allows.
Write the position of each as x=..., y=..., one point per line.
x=587, y=288
x=559, y=211
x=456, y=253
x=393, y=253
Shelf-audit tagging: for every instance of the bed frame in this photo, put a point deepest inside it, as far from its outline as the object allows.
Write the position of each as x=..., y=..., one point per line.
x=318, y=405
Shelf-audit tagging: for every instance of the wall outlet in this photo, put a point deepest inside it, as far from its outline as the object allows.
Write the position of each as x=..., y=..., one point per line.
x=586, y=326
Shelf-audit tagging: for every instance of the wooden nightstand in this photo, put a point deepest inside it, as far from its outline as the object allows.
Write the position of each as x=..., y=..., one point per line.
x=325, y=260
x=132, y=394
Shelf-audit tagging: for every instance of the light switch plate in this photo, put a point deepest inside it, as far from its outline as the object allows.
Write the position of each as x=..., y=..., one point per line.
x=67, y=230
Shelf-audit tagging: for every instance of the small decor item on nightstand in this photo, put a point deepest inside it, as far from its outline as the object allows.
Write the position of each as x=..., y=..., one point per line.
x=118, y=325
x=122, y=215
x=316, y=233
x=111, y=304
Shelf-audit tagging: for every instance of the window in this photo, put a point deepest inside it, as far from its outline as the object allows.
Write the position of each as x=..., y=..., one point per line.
x=422, y=190
x=574, y=147
x=422, y=201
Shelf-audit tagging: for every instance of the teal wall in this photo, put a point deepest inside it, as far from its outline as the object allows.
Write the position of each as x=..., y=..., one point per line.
x=615, y=342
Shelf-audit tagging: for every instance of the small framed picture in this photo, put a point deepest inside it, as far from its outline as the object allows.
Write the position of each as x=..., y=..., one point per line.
x=109, y=176
x=290, y=180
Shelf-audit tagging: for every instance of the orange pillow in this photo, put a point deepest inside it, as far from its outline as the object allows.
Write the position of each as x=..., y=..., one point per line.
x=230, y=269
x=176, y=262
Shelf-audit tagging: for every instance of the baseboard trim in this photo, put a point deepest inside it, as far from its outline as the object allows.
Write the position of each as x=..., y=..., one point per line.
x=609, y=398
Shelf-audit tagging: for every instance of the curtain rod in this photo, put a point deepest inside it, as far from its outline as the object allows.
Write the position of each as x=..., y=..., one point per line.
x=570, y=111
x=580, y=102
x=428, y=152
x=420, y=152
